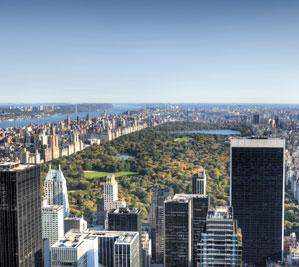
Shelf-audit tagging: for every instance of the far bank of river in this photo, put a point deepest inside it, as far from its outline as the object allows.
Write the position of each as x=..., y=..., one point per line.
x=116, y=109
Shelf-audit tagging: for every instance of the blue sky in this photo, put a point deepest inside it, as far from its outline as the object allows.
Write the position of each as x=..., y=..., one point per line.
x=149, y=51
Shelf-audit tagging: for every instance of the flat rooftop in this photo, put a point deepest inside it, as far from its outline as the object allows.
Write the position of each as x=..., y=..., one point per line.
x=73, y=240
x=257, y=142
x=126, y=238
x=14, y=166
x=125, y=211
x=183, y=198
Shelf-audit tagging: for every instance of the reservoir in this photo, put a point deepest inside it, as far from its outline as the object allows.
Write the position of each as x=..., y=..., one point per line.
x=212, y=132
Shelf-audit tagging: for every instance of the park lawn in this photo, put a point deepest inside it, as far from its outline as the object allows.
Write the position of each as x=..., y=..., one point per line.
x=182, y=139
x=95, y=174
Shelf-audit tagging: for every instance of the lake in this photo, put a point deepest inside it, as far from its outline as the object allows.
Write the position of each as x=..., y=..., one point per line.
x=211, y=132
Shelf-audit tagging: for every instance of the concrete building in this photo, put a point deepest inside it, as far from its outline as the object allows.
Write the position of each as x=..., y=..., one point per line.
x=127, y=251
x=20, y=215
x=52, y=223
x=106, y=244
x=109, y=201
x=257, y=185
x=146, y=245
x=56, y=190
x=221, y=242
x=75, y=249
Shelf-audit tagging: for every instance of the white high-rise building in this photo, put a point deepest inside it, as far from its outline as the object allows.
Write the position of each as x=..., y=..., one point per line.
x=56, y=190
x=110, y=198
x=52, y=223
x=111, y=195
x=75, y=249
x=127, y=250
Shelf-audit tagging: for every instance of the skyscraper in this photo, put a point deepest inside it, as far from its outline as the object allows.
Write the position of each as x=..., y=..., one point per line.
x=52, y=223
x=256, y=119
x=125, y=219
x=106, y=246
x=185, y=217
x=127, y=250
x=56, y=190
x=156, y=222
x=110, y=192
x=257, y=175
x=199, y=181
x=221, y=241
x=108, y=202
x=20, y=216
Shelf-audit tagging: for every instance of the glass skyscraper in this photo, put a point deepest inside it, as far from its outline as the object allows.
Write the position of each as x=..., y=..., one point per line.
x=20, y=216
x=257, y=196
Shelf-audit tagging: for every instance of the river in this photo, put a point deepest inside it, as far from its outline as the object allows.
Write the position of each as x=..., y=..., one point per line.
x=116, y=109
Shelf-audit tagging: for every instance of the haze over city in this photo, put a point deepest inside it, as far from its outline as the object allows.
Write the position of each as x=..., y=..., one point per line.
x=149, y=51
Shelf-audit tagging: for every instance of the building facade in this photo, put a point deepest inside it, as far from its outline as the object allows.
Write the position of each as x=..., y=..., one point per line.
x=127, y=251
x=75, y=249
x=257, y=181
x=199, y=181
x=55, y=189
x=52, y=223
x=221, y=242
x=76, y=223
x=20, y=216
x=185, y=217
x=156, y=222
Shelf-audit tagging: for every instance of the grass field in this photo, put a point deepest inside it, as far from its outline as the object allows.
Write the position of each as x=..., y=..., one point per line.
x=94, y=174
x=182, y=139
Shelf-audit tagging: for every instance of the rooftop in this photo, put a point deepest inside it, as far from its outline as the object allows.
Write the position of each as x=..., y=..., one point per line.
x=14, y=166
x=185, y=197
x=257, y=142
x=73, y=239
x=220, y=213
x=126, y=238
x=125, y=211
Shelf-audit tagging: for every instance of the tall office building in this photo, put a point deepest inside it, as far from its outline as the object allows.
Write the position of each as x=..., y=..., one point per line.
x=199, y=181
x=257, y=196
x=56, y=190
x=185, y=217
x=156, y=222
x=106, y=245
x=110, y=192
x=146, y=245
x=20, y=216
x=127, y=251
x=109, y=201
x=52, y=223
x=124, y=219
x=75, y=249
x=221, y=242
x=256, y=119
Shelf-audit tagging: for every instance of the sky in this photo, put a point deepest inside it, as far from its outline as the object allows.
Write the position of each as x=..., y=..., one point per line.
x=149, y=51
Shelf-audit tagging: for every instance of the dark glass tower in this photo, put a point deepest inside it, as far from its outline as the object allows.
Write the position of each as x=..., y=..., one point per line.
x=185, y=217
x=124, y=219
x=20, y=216
x=257, y=196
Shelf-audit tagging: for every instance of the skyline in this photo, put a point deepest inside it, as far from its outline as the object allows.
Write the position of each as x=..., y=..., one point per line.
x=132, y=52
